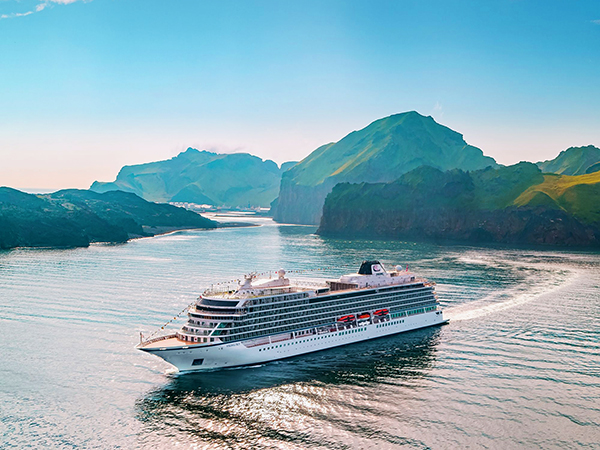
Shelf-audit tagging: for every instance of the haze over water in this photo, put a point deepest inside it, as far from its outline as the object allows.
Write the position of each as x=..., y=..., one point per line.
x=517, y=367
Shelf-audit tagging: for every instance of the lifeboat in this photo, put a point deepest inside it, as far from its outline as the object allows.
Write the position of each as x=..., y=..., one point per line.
x=364, y=316
x=349, y=318
x=381, y=312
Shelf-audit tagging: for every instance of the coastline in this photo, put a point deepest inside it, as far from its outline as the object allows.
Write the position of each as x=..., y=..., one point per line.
x=163, y=231
x=153, y=232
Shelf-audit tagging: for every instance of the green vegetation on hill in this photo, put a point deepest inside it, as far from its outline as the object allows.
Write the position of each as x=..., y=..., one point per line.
x=75, y=218
x=380, y=152
x=577, y=195
x=237, y=180
x=573, y=161
x=426, y=187
x=514, y=204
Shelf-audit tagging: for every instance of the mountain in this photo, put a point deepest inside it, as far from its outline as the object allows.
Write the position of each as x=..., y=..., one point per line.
x=573, y=161
x=516, y=204
x=237, y=179
x=75, y=218
x=578, y=195
x=381, y=152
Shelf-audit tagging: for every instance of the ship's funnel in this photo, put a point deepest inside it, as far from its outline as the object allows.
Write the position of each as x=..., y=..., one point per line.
x=371, y=268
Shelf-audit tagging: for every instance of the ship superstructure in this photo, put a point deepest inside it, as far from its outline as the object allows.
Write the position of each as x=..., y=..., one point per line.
x=260, y=320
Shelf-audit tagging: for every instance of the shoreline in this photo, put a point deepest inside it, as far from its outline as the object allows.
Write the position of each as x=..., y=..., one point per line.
x=160, y=231
x=163, y=231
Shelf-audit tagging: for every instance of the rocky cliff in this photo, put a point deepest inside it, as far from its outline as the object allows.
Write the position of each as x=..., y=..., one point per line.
x=513, y=205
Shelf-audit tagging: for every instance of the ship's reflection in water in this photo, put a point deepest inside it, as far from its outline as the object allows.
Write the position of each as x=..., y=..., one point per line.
x=339, y=398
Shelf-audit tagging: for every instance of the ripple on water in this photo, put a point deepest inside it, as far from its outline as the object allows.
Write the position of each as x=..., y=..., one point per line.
x=517, y=367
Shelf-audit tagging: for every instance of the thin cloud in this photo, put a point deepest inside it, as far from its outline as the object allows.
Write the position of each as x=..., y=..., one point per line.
x=40, y=7
x=10, y=16
x=597, y=22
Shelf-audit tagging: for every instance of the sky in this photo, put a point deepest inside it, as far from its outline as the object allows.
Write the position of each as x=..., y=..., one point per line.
x=89, y=86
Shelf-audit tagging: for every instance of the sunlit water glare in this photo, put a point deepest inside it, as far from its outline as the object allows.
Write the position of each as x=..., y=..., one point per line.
x=517, y=367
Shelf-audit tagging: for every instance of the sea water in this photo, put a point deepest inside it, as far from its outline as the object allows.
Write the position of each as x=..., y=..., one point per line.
x=517, y=367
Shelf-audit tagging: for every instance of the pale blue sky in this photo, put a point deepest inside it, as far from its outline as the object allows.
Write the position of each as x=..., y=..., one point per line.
x=88, y=86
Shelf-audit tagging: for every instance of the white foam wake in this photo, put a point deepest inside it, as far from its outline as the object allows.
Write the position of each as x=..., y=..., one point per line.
x=508, y=298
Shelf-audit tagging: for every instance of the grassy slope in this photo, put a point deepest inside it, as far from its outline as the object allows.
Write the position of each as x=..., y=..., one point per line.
x=426, y=187
x=490, y=194
x=386, y=148
x=578, y=195
x=515, y=204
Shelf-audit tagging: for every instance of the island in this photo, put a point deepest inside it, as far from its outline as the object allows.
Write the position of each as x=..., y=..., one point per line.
x=76, y=218
x=202, y=177
x=517, y=204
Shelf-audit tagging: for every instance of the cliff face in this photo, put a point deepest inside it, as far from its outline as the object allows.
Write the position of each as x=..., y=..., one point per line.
x=511, y=226
x=298, y=203
x=513, y=205
x=380, y=152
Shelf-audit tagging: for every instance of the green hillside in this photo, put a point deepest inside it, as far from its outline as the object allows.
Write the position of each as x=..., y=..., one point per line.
x=202, y=177
x=573, y=161
x=380, y=152
x=514, y=204
x=487, y=189
x=75, y=218
x=577, y=195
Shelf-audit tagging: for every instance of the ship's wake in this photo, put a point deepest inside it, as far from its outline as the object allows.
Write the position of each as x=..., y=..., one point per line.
x=533, y=288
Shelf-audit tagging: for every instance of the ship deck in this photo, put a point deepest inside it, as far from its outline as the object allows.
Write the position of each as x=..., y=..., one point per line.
x=165, y=342
x=305, y=285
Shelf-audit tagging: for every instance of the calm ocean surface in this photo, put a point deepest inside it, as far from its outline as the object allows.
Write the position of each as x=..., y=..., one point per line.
x=517, y=367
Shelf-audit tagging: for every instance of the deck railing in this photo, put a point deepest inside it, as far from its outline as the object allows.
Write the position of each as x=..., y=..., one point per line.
x=157, y=339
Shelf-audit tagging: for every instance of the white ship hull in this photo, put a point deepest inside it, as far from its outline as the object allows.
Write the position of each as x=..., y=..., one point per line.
x=235, y=354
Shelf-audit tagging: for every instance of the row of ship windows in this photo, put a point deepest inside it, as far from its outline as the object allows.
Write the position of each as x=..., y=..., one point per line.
x=213, y=317
x=275, y=302
x=196, y=331
x=327, y=313
x=382, y=289
x=387, y=324
x=204, y=324
x=262, y=310
x=269, y=300
x=381, y=325
x=335, y=303
x=414, y=311
x=281, y=329
x=183, y=337
x=282, y=310
x=208, y=310
x=341, y=333
x=365, y=304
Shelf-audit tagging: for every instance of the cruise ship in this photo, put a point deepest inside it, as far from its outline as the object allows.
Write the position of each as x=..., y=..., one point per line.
x=262, y=320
